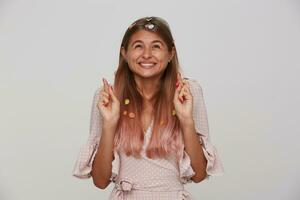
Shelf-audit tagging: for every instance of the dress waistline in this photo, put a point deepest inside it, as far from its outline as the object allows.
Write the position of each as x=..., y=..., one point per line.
x=126, y=185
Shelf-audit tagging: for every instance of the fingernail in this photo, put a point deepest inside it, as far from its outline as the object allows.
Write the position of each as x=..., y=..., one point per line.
x=105, y=81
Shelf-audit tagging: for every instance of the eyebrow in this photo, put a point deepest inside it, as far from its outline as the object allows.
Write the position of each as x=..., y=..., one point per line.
x=154, y=41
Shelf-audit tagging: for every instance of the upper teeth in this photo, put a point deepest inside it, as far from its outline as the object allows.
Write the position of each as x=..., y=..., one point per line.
x=147, y=64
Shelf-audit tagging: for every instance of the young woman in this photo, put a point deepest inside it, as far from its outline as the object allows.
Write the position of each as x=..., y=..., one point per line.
x=149, y=130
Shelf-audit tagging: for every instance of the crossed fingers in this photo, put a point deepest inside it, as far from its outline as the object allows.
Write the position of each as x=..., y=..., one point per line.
x=104, y=93
x=184, y=89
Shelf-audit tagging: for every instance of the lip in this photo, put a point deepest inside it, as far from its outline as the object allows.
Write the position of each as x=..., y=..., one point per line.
x=147, y=67
x=147, y=63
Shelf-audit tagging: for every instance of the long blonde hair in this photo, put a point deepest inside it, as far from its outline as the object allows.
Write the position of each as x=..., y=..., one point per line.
x=166, y=136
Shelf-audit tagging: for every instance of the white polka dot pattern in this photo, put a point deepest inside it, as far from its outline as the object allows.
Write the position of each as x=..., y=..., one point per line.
x=147, y=178
x=214, y=165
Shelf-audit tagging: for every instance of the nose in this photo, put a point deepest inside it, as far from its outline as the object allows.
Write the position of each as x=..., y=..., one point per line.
x=147, y=52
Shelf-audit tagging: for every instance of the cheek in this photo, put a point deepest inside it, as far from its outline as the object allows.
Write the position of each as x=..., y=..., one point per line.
x=133, y=56
x=162, y=57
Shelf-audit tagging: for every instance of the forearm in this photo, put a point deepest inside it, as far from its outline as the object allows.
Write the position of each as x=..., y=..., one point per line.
x=194, y=150
x=102, y=164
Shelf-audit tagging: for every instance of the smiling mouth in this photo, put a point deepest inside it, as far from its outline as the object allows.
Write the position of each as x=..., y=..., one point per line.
x=147, y=65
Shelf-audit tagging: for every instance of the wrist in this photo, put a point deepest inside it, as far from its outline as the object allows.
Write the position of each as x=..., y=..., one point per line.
x=187, y=123
x=110, y=126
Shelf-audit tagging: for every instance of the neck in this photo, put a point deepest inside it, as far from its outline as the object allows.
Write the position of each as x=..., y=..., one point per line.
x=148, y=87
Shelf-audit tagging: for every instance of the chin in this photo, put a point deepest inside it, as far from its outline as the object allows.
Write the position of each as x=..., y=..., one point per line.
x=144, y=74
x=147, y=75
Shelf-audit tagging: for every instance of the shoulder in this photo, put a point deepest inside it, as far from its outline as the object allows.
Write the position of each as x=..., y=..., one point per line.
x=195, y=85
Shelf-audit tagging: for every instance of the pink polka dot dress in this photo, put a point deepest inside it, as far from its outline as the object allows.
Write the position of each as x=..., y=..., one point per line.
x=147, y=178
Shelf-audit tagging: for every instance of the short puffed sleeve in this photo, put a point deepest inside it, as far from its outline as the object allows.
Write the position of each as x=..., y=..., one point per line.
x=214, y=166
x=85, y=158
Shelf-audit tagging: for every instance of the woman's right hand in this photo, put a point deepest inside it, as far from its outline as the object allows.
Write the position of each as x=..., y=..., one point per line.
x=109, y=105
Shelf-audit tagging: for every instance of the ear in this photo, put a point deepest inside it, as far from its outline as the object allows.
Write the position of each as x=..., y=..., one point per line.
x=172, y=53
x=123, y=52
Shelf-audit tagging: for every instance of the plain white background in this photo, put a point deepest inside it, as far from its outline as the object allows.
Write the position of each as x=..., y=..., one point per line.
x=245, y=55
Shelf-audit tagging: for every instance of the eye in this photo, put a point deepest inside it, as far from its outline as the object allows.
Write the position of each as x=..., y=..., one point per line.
x=137, y=46
x=156, y=46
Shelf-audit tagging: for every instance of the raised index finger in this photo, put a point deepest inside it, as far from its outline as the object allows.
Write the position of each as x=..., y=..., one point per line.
x=105, y=83
x=180, y=79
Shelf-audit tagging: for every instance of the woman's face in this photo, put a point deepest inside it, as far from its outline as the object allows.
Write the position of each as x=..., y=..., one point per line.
x=147, y=54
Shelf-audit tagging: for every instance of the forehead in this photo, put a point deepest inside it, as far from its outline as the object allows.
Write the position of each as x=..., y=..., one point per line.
x=145, y=36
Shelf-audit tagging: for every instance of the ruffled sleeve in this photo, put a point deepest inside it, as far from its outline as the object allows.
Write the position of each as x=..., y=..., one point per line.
x=83, y=164
x=214, y=166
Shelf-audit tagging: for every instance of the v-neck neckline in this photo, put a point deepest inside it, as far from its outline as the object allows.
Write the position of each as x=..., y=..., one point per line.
x=147, y=130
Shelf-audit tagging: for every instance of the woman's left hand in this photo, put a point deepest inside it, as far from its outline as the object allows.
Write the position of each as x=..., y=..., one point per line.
x=183, y=100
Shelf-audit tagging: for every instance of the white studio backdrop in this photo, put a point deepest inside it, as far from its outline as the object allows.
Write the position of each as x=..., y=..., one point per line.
x=245, y=55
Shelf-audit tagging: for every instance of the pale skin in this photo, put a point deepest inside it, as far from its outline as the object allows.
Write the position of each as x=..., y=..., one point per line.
x=146, y=47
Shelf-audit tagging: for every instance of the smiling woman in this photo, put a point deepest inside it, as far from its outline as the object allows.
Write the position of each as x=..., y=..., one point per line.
x=149, y=130
x=147, y=54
